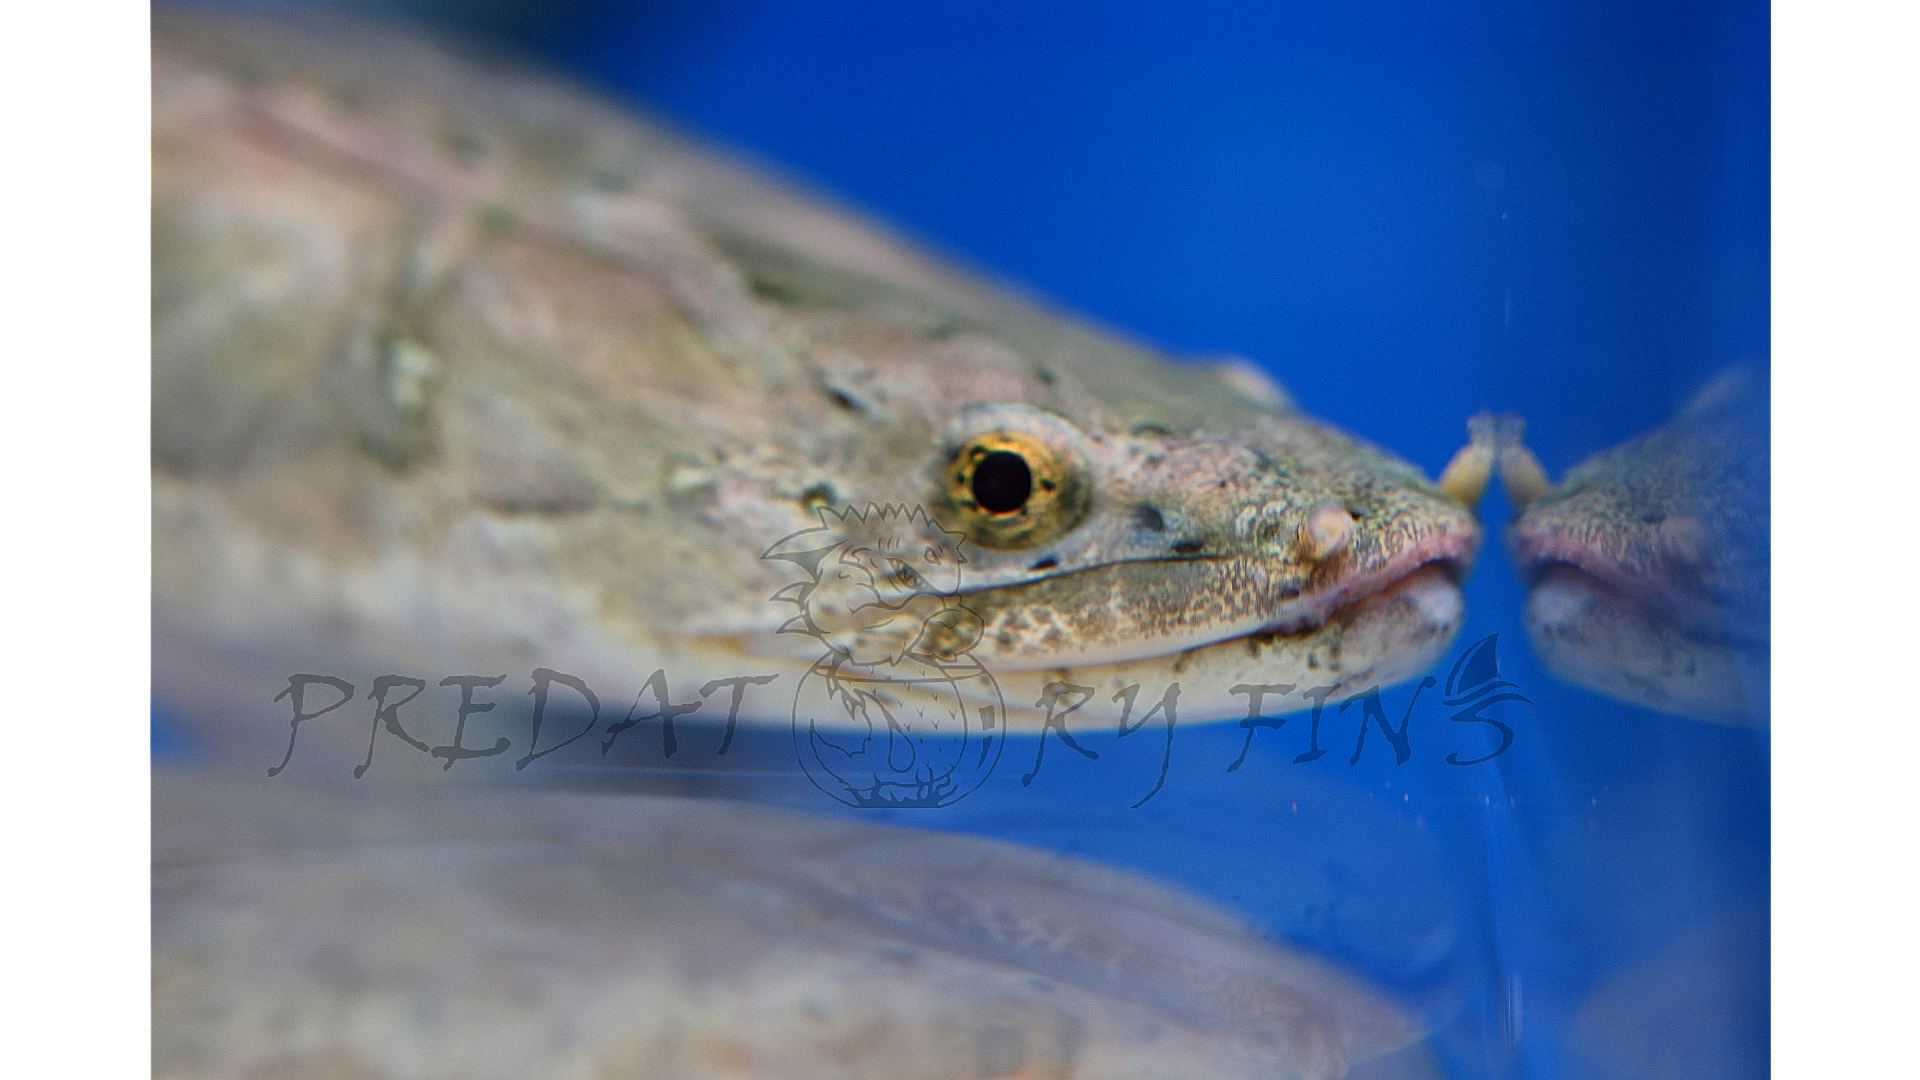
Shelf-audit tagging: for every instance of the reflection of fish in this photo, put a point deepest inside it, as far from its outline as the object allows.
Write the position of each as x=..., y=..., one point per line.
x=445, y=931
x=458, y=370
x=1648, y=563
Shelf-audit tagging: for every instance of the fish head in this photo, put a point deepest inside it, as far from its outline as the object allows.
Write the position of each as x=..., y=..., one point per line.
x=1108, y=546
x=1647, y=566
x=595, y=382
x=1197, y=534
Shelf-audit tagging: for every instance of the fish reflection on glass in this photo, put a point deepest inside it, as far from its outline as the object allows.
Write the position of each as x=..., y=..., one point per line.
x=1647, y=566
x=439, y=931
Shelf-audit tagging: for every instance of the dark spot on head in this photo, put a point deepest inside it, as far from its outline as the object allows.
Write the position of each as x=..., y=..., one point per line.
x=1047, y=563
x=843, y=391
x=1149, y=428
x=773, y=290
x=1148, y=518
x=1187, y=547
x=496, y=221
x=1045, y=375
x=1002, y=482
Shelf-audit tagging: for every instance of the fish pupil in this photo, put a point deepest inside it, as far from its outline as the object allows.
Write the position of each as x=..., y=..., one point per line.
x=1002, y=482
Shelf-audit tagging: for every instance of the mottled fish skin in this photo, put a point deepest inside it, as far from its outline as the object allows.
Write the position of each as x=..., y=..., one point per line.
x=444, y=931
x=1648, y=565
x=457, y=369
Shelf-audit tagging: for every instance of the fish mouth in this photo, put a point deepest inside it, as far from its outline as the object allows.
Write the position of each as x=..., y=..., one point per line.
x=1449, y=553
x=1135, y=611
x=1396, y=632
x=1553, y=562
x=1591, y=634
x=1537, y=551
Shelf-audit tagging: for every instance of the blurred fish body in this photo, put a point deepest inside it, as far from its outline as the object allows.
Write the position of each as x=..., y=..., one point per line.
x=447, y=931
x=1648, y=565
x=457, y=369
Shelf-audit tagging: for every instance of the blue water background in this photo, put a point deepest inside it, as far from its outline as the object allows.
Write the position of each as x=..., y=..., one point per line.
x=1407, y=213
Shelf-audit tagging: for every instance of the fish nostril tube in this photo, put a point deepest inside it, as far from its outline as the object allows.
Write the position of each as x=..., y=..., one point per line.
x=1497, y=445
x=1328, y=528
x=1465, y=477
x=1520, y=471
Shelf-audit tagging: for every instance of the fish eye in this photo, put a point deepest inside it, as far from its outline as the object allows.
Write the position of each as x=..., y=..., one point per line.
x=1009, y=489
x=1001, y=482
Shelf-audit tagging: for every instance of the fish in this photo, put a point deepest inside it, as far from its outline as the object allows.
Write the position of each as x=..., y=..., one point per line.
x=457, y=931
x=1648, y=564
x=457, y=369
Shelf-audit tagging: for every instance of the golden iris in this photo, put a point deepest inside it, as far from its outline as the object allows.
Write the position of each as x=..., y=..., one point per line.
x=1009, y=490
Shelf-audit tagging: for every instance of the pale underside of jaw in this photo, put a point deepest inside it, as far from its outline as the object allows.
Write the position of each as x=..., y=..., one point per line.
x=1594, y=635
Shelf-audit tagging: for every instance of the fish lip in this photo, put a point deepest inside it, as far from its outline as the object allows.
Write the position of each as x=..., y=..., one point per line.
x=1536, y=551
x=1449, y=550
x=1542, y=560
x=1421, y=583
x=1444, y=551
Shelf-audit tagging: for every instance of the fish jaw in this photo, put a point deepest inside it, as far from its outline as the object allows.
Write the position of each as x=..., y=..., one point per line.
x=1136, y=619
x=1629, y=608
x=1393, y=635
x=1633, y=562
x=1589, y=633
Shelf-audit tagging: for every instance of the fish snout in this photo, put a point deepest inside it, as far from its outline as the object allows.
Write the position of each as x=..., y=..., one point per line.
x=1339, y=551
